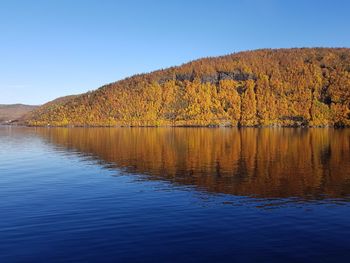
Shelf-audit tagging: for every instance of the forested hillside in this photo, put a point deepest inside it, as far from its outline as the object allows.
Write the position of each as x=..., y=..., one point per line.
x=284, y=87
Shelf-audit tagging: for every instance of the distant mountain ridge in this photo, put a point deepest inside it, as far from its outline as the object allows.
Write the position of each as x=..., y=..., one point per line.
x=14, y=112
x=269, y=87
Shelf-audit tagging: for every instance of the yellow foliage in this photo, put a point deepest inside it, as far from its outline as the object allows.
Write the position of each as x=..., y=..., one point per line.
x=287, y=87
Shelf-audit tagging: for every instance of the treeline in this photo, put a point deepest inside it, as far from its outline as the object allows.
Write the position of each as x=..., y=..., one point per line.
x=284, y=87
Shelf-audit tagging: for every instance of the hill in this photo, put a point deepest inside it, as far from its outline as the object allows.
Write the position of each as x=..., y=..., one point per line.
x=270, y=87
x=13, y=112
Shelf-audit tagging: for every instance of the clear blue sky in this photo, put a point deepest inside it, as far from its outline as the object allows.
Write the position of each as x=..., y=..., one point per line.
x=52, y=48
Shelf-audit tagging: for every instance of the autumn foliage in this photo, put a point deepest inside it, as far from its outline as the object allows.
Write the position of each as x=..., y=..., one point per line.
x=284, y=87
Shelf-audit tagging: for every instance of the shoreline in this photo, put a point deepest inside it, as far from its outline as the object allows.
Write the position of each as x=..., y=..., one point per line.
x=176, y=126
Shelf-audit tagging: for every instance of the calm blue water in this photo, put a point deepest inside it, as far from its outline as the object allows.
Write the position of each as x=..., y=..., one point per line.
x=63, y=199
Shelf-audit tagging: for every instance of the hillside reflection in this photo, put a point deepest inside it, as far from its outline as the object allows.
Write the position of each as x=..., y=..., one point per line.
x=307, y=163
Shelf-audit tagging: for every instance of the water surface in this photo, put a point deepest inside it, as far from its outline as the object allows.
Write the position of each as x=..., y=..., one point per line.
x=174, y=194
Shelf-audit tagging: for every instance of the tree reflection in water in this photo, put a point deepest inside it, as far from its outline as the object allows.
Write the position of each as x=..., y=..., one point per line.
x=266, y=162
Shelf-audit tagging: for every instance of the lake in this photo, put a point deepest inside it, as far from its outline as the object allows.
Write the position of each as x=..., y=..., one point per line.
x=174, y=195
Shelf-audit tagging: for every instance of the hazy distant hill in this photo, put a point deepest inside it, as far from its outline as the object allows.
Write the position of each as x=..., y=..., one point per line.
x=284, y=87
x=14, y=112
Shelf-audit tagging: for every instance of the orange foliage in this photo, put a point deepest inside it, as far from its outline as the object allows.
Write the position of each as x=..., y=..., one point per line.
x=285, y=87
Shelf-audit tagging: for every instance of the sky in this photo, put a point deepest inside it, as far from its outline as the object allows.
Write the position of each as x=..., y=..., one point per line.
x=53, y=48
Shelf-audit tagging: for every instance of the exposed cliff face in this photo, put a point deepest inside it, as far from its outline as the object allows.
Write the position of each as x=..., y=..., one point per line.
x=285, y=87
x=214, y=78
x=13, y=112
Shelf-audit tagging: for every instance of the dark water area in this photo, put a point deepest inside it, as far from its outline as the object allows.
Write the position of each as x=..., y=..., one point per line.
x=174, y=195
